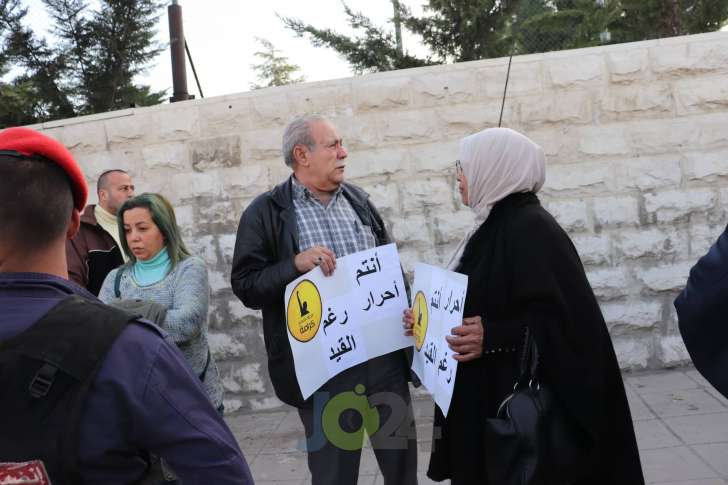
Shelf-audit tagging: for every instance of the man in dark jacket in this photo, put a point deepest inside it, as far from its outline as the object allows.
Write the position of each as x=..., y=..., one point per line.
x=701, y=309
x=96, y=248
x=88, y=392
x=309, y=220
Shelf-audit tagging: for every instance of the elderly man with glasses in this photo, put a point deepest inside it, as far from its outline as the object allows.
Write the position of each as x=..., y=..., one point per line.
x=309, y=220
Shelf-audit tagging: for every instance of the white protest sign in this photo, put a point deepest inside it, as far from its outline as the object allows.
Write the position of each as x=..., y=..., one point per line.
x=335, y=322
x=439, y=298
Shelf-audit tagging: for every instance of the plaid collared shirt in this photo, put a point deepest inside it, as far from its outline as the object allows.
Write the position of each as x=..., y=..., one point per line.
x=335, y=226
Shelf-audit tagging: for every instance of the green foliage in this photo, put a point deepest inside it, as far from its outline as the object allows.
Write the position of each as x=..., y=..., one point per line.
x=87, y=66
x=653, y=19
x=19, y=103
x=465, y=30
x=122, y=33
x=42, y=70
x=567, y=24
x=453, y=30
x=274, y=69
x=373, y=49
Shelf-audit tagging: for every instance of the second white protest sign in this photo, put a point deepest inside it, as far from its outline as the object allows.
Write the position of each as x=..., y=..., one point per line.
x=439, y=300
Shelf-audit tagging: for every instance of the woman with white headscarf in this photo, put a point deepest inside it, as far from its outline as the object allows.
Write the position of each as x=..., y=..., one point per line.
x=524, y=273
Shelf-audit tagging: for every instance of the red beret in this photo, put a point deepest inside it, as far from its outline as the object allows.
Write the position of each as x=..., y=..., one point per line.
x=33, y=143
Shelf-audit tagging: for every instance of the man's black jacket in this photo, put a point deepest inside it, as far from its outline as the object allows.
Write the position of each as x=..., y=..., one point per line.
x=266, y=243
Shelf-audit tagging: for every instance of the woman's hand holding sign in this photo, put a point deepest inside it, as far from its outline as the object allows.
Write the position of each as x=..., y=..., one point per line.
x=408, y=321
x=467, y=339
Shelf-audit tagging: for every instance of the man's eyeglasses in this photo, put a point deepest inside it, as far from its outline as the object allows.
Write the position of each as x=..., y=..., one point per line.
x=458, y=168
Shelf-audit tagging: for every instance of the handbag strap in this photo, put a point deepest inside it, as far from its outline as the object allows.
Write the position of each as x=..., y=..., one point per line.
x=530, y=360
x=535, y=360
x=524, y=361
x=207, y=364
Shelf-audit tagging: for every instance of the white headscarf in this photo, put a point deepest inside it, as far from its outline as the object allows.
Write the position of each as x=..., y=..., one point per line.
x=497, y=162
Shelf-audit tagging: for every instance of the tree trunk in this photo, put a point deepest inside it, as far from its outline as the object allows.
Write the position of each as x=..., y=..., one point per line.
x=672, y=18
x=397, y=27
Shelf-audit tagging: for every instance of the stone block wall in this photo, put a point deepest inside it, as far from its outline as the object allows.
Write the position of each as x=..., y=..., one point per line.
x=636, y=137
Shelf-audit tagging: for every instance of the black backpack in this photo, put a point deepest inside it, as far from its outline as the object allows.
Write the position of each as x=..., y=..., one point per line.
x=45, y=375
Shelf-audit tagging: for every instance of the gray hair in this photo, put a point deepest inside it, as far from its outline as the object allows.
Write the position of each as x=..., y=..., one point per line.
x=298, y=132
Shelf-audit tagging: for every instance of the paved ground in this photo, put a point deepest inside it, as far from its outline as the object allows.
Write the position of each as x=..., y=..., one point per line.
x=680, y=420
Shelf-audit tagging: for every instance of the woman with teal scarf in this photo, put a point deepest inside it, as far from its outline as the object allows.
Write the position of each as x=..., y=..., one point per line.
x=161, y=270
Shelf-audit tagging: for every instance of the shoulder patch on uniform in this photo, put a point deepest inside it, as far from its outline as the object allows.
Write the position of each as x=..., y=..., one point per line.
x=26, y=473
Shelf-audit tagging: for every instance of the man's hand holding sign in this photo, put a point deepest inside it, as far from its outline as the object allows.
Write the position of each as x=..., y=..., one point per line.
x=316, y=256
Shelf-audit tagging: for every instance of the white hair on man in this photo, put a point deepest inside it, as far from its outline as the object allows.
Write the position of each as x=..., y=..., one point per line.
x=298, y=132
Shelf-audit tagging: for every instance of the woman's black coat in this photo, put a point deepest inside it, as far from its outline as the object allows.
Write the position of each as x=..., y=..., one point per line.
x=523, y=270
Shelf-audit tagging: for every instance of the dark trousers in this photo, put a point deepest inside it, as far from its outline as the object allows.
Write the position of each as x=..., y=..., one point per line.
x=375, y=396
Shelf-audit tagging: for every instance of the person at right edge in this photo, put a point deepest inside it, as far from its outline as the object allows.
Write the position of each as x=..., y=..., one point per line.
x=701, y=309
x=524, y=272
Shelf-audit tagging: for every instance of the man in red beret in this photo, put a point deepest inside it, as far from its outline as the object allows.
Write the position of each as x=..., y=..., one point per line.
x=88, y=392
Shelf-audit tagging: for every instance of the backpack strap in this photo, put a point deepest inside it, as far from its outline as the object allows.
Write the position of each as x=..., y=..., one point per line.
x=67, y=345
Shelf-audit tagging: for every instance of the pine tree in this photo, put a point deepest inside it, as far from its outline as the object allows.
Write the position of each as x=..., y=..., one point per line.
x=567, y=24
x=19, y=104
x=274, y=70
x=453, y=30
x=88, y=66
x=653, y=19
x=35, y=94
x=122, y=33
x=373, y=49
x=466, y=30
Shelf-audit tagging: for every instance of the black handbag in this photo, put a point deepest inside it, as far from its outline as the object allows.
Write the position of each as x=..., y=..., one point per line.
x=531, y=441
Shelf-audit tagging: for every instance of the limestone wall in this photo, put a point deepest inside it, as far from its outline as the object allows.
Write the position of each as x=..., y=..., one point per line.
x=636, y=137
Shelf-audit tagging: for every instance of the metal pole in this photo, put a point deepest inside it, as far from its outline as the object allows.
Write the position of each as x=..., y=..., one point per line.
x=194, y=71
x=505, y=90
x=177, y=50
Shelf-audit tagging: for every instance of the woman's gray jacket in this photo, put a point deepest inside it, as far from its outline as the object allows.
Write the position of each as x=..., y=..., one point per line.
x=185, y=292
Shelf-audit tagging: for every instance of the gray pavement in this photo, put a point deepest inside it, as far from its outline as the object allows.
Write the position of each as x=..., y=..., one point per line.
x=680, y=420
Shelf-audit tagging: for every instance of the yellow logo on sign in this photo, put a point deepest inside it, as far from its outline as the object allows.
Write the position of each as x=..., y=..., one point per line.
x=419, y=312
x=304, y=311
